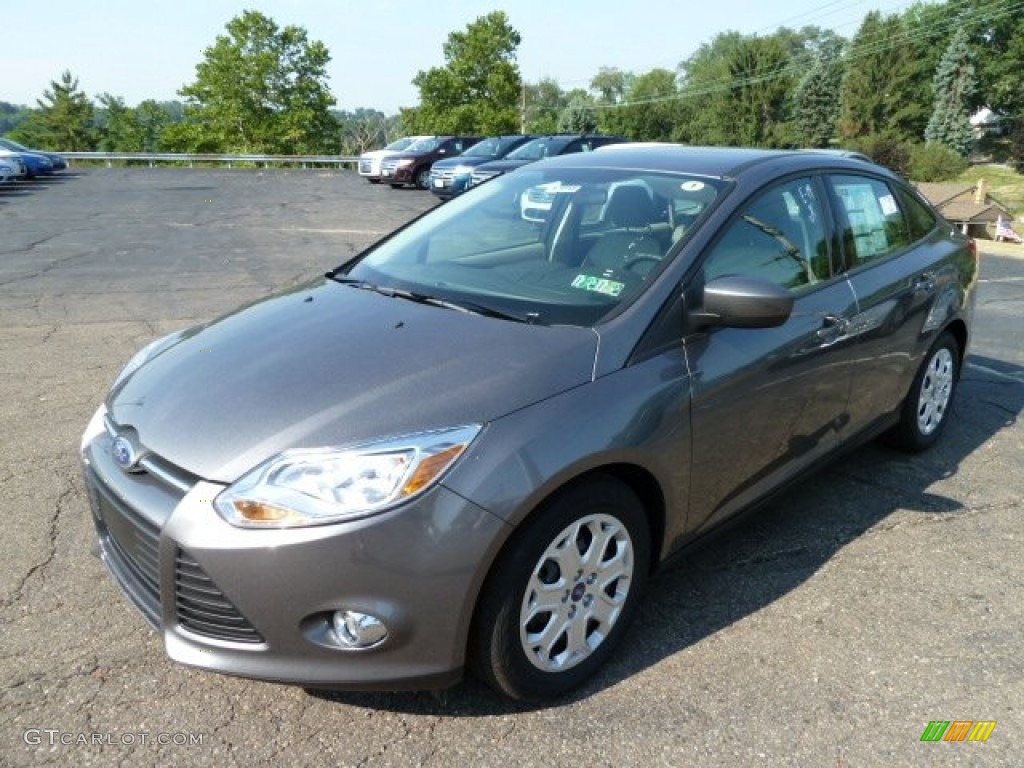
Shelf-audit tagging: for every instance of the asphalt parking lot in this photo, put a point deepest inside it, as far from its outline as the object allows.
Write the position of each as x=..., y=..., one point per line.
x=884, y=593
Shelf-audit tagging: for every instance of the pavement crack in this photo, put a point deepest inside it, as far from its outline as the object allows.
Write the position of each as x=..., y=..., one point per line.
x=51, y=550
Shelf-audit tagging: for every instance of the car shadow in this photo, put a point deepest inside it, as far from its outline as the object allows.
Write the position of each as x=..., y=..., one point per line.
x=769, y=554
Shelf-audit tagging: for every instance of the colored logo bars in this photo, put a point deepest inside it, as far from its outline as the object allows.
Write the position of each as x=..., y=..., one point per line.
x=958, y=730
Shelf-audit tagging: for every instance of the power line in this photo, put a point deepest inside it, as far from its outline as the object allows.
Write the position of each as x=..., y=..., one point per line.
x=855, y=53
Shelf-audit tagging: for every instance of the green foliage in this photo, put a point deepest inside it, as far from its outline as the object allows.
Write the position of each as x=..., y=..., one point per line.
x=11, y=116
x=260, y=88
x=954, y=87
x=1017, y=147
x=816, y=99
x=651, y=108
x=545, y=102
x=64, y=120
x=935, y=162
x=737, y=91
x=364, y=129
x=577, y=117
x=479, y=88
x=997, y=38
x=611, y=84
x=880, y=93
x=886, y=149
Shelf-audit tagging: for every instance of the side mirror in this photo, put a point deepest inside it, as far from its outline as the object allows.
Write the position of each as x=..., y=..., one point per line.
x=743, y=302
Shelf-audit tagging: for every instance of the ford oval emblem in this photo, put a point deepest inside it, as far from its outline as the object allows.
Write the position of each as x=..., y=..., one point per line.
x=123, y=453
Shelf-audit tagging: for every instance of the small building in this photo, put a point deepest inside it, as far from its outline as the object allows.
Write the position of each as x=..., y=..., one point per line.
x=970, y=207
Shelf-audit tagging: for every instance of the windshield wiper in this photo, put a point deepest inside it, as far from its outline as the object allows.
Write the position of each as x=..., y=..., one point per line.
x=459, y=305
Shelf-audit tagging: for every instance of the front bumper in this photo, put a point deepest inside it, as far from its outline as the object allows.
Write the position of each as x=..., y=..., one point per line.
x=399, y=174
x=257, y=603
x=449, y=185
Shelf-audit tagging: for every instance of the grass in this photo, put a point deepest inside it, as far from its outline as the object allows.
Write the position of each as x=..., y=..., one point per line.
x=1004, y=184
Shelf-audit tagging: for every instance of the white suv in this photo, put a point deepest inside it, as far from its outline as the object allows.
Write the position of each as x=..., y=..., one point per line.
x=369, y=162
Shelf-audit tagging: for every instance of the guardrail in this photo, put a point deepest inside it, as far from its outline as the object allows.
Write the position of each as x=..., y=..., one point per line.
x=152, y=158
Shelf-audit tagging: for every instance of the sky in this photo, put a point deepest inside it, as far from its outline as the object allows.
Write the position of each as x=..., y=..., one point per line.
x=148, y=50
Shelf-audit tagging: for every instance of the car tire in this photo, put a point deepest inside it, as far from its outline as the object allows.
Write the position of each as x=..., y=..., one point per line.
x=539, y=632
x=423, y=177
x=925, y=410
x=374, y=181
x=396, y=186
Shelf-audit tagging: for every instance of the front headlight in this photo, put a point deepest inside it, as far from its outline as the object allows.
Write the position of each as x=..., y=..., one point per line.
x=326, y=485
x=406, y=162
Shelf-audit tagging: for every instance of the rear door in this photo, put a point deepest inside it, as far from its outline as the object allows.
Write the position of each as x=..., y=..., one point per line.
x=768, y=402
x=897, y=272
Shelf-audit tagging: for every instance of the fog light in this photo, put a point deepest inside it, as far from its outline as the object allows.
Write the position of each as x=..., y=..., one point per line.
x=358, y=630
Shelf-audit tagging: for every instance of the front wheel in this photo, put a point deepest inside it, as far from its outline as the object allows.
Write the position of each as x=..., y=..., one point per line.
x=423, y=178
x=563, y=593
x=926, y=410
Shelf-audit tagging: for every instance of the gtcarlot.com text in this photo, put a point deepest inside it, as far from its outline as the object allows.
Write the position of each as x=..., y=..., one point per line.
x=53, y=737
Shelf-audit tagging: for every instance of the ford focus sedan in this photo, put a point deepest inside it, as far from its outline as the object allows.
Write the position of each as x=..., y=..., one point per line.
x=469, y=447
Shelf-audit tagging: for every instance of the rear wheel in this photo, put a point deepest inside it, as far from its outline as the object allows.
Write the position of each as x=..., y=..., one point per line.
x=564, y=592
x=925, y=412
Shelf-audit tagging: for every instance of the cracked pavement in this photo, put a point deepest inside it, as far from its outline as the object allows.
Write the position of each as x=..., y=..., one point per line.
x=828, y=630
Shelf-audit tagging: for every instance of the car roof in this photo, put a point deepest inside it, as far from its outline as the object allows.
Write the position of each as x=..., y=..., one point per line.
x=715, y=162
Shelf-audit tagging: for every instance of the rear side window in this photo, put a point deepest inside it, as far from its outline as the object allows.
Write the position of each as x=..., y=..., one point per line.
x=919, y=216
x=870, y=219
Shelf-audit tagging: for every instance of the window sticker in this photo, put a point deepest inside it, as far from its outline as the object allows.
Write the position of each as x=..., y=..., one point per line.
x=598, y=285
x=888, y=205
x=692, y=186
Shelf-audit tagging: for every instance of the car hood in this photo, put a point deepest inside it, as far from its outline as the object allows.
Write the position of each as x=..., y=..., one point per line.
x=330, y=364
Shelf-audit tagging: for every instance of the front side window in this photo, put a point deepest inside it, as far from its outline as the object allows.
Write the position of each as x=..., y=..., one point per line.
x=871, y=222
x=779, y=237
x=549, y=246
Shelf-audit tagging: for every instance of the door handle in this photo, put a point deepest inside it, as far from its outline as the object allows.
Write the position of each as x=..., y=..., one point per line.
x=833, y=328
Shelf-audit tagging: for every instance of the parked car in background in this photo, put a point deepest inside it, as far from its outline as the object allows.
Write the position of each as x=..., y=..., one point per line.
x=451, y=176
x=541, y=147
x=12, y=167
x=57, y=162
x=369, y=162
x=412, y=166
x=470, y=445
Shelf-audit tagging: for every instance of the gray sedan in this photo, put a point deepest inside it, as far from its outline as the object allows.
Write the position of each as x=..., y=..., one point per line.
x=473, y=443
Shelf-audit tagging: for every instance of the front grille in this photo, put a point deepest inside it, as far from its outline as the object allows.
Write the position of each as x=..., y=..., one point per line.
x=389, y=165
x=445, y=173
x=131, y=546
x=203, y=609
x=365, y=166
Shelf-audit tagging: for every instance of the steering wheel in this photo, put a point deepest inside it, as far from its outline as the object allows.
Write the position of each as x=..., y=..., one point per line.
x=632, y=262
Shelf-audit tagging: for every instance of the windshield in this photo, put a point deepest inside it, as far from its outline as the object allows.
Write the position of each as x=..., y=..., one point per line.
x=554, y=247
x=425, y=145
x=538, y=149
x=488, y=148
x=401, y=143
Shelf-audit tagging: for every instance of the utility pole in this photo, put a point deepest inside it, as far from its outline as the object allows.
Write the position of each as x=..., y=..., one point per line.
x=522, y=111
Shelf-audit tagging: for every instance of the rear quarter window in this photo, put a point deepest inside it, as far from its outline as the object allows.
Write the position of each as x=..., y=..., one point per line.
x=920, y=218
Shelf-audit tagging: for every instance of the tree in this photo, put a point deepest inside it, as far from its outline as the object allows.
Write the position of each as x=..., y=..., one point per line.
x=64, y=120
x=479, y=88
x=259, y=88
x=611, y=84
x=545, y=102
x=577, y=117
x=954, y=86
x=816, y=99
x=649, y=110
x=117, y=126
x=879, y=87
